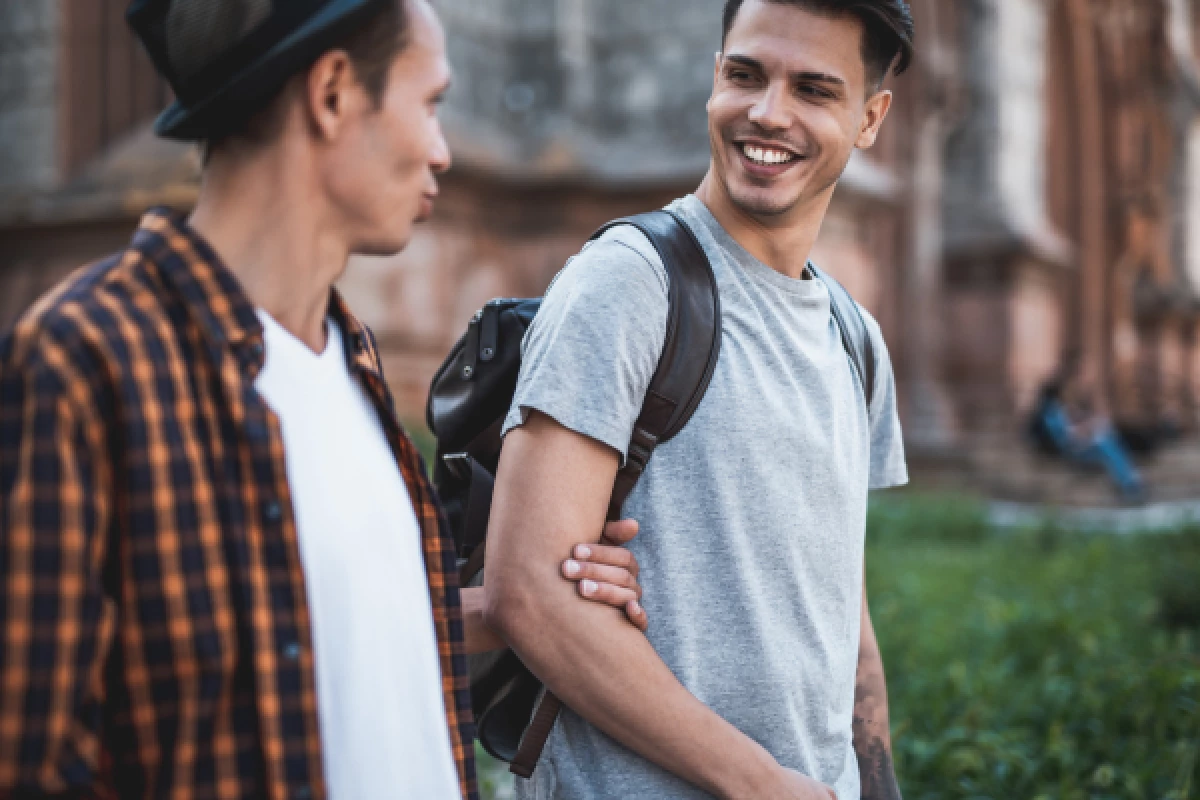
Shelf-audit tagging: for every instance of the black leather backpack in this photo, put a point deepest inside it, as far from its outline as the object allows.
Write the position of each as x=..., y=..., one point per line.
x=471, y=395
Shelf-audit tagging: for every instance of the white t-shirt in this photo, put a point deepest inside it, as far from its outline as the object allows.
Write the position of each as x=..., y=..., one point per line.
x=379, y=693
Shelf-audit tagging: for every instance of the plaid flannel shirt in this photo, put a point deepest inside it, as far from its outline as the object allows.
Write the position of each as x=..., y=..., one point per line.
x=156, y=638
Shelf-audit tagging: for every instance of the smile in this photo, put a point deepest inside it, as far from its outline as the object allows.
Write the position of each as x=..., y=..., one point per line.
x=766, y=156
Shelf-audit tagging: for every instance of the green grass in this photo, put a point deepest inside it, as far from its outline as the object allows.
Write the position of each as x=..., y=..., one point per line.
x=1043, y=664
x=1039, y=665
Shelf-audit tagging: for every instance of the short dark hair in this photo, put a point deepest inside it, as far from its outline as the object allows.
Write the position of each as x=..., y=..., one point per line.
x=372, y=46
x=888, y=30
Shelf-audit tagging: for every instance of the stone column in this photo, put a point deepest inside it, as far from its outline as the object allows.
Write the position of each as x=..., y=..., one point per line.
x=1004, y=260
x=1185, y=194
x=930, y=426
x=1093, y=194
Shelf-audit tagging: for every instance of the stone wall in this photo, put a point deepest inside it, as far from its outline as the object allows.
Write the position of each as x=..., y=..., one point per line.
x=613, y=90
x=28, y=94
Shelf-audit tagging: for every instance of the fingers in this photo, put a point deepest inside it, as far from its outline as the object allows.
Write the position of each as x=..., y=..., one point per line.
x=607, y=573
x=599, y=573
x=617, y=557
x=620, y=532
x=637, y=615
x=606, y=593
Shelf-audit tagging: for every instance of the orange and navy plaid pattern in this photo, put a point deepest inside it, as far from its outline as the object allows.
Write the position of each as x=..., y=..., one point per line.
x=155, y=634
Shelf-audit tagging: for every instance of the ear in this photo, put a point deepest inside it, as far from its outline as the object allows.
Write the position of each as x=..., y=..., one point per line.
x=874, y=112
x=333, y=94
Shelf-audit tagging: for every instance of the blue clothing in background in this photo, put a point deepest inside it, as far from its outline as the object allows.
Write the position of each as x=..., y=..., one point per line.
x=1104, y=449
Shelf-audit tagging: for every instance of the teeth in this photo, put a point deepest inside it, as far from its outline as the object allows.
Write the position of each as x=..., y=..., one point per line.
x=763, y=155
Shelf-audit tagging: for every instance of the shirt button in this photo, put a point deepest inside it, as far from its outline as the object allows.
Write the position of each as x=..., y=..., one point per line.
x=291, y=651
x=303, y=793
x=256, y=349
x=273, y=511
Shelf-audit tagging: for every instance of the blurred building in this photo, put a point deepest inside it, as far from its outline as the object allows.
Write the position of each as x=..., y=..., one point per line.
x=1031, y=196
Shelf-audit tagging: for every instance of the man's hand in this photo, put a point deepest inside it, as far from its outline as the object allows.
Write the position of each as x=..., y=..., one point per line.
x=607, y=572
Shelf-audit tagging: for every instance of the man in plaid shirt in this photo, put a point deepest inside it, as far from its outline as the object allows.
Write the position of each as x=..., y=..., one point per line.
x=222, y=569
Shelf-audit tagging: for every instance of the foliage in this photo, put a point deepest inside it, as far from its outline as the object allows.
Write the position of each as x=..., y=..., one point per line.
x=1042, y=664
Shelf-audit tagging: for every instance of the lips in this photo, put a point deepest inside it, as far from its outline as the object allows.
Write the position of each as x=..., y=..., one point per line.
x=425, y=207
x=765, y=154
x=766, y=159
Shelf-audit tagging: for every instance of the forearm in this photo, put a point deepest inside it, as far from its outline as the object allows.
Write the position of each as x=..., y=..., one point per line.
x=872, y=738
x=607, y=672
x=479, y=637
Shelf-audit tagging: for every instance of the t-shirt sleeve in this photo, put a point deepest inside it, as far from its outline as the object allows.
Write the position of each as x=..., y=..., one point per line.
x=888, y=467
x=588, y=357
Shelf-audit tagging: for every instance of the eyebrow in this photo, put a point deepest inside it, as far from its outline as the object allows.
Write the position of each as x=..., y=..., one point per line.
x=809, y=76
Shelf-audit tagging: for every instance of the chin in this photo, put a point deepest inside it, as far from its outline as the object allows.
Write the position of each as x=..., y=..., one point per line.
x=383, y=246
x=762, y=203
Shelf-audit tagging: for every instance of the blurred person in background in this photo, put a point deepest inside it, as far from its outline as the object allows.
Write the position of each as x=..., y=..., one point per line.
x=761, y=676
x=222, y=569
x=1066, y=423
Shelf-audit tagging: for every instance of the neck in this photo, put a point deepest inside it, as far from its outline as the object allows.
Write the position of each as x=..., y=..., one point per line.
x=783, y=242
x=257, y=212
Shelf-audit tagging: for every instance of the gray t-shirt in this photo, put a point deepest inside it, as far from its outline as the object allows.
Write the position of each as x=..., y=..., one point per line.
x=752, y=518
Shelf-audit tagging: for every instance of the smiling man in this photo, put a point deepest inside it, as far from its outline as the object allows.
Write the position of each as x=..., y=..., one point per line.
x=760, y=676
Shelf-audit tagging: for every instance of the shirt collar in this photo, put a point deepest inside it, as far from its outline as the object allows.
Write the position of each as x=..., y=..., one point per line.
x=216, y=300
x=211, y=293
x=361, y=352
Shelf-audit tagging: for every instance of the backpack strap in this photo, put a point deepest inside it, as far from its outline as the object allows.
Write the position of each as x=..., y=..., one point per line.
x=685, y=368
x=690, y=349
x=853, y=328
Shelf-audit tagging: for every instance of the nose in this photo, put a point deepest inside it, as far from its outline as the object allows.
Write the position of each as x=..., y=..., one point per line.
x=769, y=111
x=439, y=156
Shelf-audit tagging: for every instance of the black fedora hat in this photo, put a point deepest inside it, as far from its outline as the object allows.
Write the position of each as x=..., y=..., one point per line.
x=224, y=58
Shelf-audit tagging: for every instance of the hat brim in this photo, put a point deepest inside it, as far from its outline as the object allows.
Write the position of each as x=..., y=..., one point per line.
x=269, y=71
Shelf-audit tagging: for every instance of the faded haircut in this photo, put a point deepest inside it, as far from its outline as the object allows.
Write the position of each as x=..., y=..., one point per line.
x=888, y=30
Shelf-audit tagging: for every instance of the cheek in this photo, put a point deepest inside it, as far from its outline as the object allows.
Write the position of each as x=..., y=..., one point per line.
x=832, y=132
x=367, y=178
x=725, y=109
x=409, y=152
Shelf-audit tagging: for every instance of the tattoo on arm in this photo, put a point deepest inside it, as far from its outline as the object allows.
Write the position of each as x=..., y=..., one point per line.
x=876, y=772
x=872, y=742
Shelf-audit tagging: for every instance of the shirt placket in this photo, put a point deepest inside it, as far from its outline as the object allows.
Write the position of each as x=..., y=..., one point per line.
x=274, y=591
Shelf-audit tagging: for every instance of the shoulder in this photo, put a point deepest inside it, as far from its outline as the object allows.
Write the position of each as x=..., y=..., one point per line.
x=878, y=343
x=884, y=391
x=75, y=332
x=622, y=257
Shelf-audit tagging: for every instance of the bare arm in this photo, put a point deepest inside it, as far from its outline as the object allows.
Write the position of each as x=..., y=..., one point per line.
x=552, y=491
x=872, y=738
x=605, y=573
x=478, y=636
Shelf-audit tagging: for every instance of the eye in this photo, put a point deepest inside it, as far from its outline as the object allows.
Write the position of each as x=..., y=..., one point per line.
x=740, y=76
x=812, y=90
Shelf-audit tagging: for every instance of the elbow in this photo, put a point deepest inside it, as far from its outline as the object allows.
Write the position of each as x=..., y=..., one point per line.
x=510, y=608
